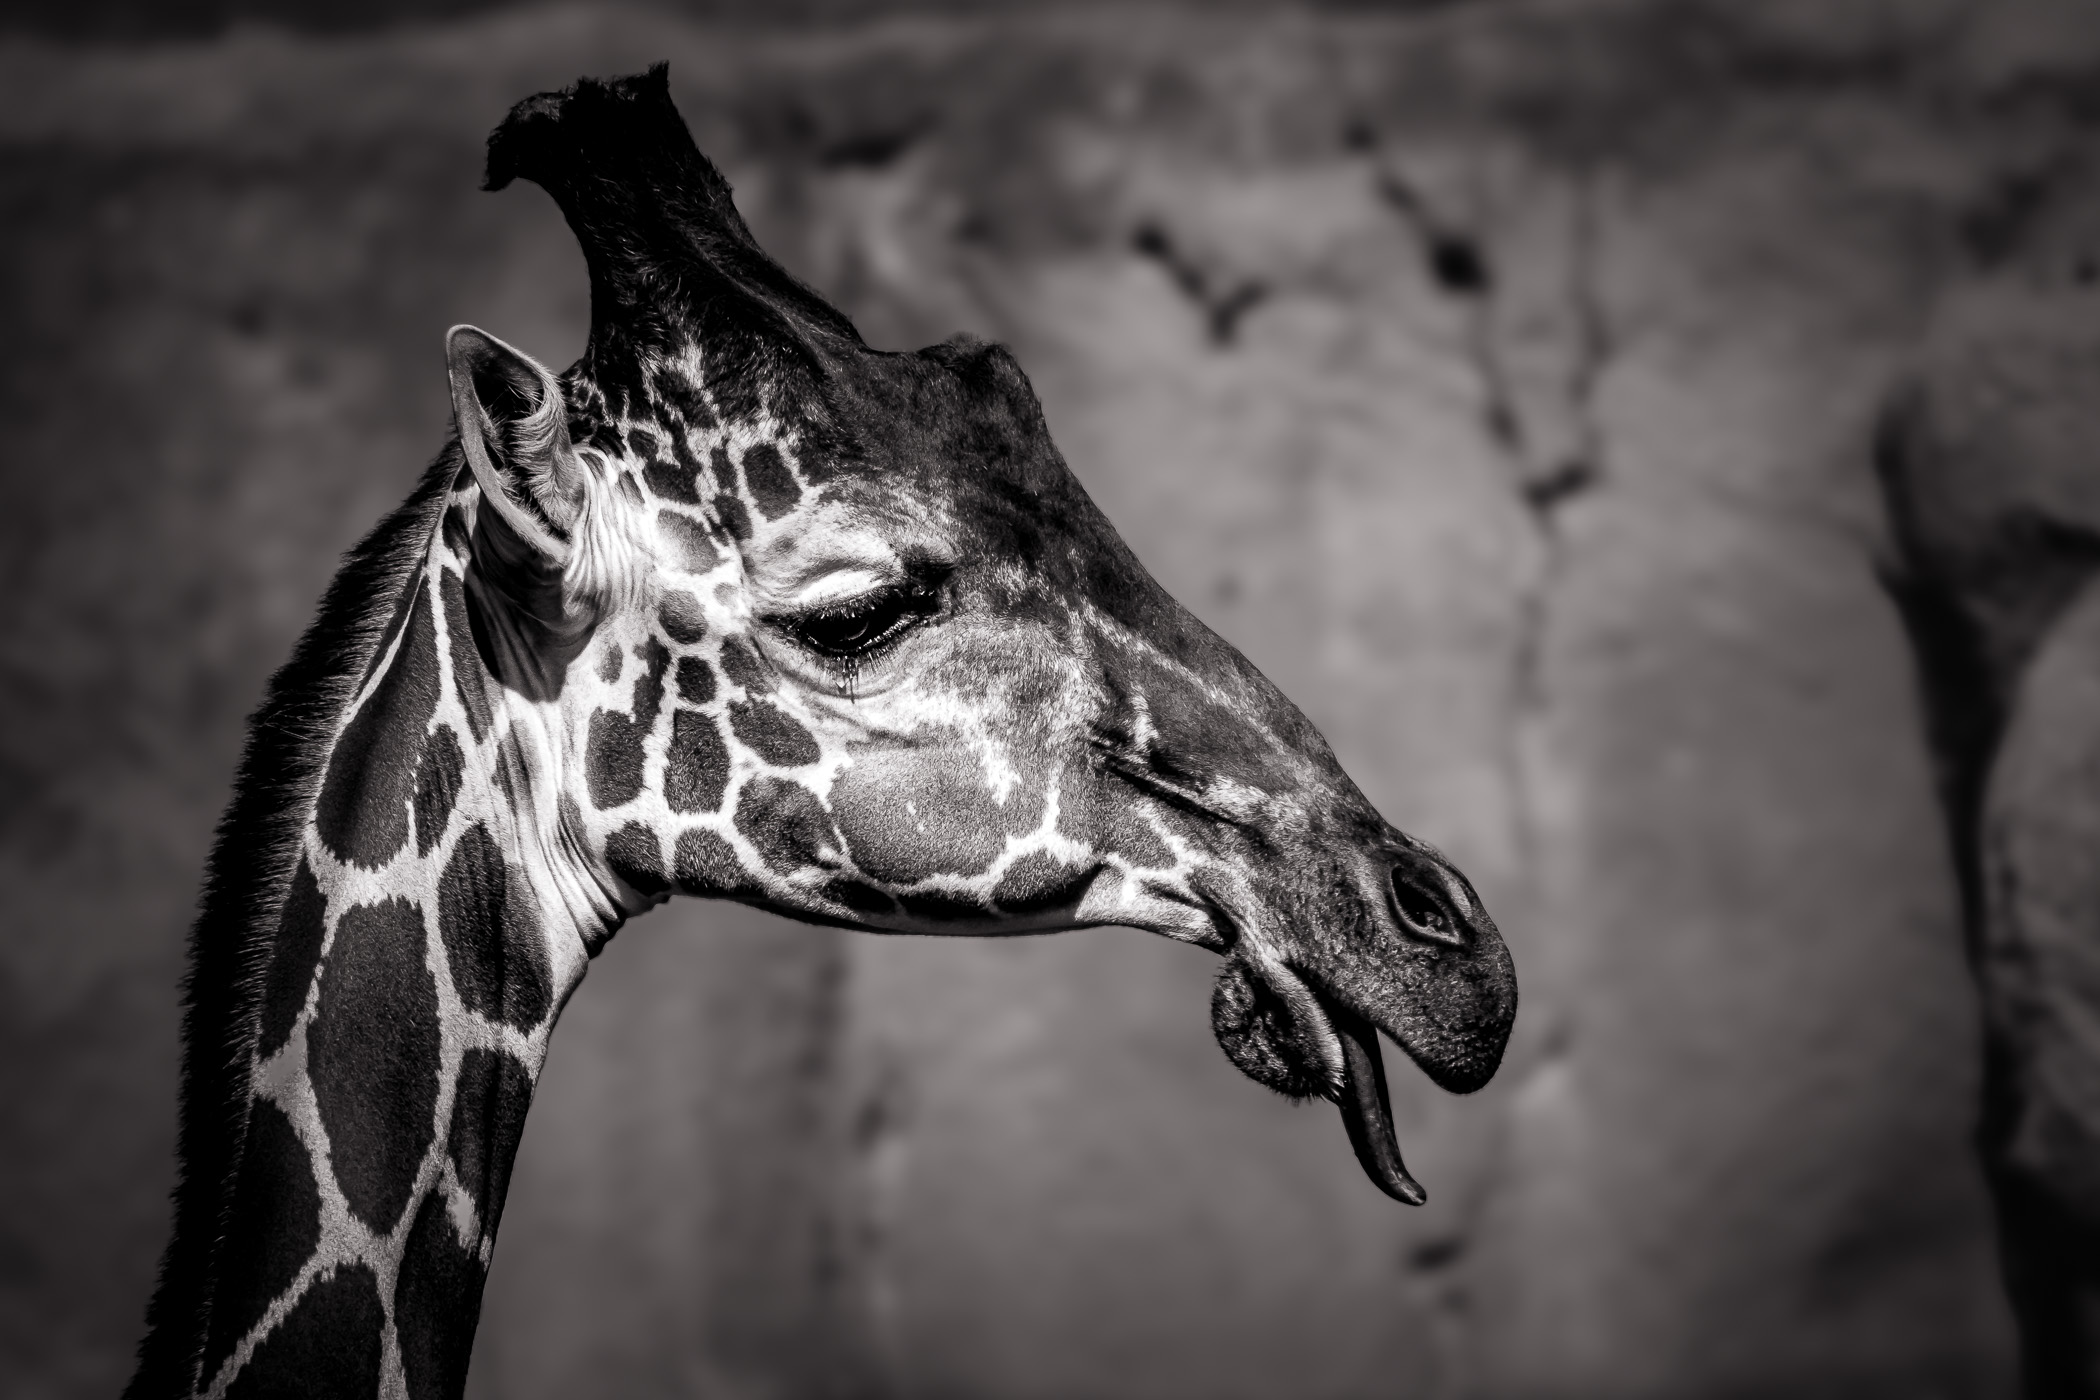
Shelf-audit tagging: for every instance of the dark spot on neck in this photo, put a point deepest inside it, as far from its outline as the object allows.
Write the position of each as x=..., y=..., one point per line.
x=327, y=1348
x=491, y=928
x=362, y=811
x=643, y=442
x=696, y=681
x=671, y=481
x=372, y=1055
x=469, y=679
x=294, y=958
x=488, y=1119
x=437, y=787
x=437, y=1303
x=273, y=1227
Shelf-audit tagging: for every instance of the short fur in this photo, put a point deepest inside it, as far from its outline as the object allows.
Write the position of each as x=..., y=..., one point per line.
x=245, y=884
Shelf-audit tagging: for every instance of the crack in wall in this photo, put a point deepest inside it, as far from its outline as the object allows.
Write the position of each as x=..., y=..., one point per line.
x=1543, y=477
x=1545, y=466
x=1221, y=306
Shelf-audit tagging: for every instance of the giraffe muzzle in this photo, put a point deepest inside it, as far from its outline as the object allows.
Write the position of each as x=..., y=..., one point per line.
x=1396, y=944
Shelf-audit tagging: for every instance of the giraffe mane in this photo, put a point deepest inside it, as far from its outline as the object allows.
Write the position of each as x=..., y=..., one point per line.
x=253, y=855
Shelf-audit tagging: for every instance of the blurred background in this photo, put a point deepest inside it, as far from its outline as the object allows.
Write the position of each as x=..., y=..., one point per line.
x=1504, y=377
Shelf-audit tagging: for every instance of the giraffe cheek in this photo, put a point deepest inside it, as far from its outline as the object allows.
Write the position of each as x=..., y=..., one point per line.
x=1041, y=884
x=786, y=823
x=767, y=731
x=907, y=816
x=696, y=766
x=1113, y=819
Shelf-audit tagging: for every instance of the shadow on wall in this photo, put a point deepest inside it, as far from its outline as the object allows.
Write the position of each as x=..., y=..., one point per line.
x=1501, y=379
x=1988, y=462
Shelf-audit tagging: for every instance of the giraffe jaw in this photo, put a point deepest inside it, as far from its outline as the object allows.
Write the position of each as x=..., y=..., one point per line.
x=1281, y=1032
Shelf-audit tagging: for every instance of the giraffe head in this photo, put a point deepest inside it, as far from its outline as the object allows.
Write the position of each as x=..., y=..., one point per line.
x=836, y=632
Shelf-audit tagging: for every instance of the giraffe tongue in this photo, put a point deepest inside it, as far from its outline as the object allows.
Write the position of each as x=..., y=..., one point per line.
x=1366, y=1113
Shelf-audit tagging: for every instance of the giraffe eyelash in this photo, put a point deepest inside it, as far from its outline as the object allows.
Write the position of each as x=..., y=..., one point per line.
x=854, y=632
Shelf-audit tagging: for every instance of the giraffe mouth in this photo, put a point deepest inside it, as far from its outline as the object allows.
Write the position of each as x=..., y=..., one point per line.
x=1302, y=1042
x=1367, y=1110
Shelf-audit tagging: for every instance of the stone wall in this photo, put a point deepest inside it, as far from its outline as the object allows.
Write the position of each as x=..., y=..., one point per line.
x=1500, y=378
x=1987, y=454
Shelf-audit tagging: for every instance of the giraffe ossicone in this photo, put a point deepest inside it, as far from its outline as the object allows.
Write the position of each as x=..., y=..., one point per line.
x=734, y=607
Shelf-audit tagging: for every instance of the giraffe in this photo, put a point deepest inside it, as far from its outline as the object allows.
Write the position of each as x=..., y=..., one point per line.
x=735, y=607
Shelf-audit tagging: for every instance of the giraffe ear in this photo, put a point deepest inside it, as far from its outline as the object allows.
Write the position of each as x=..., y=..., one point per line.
x=514, y=431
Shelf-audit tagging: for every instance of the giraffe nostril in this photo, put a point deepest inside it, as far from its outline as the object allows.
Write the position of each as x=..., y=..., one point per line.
x=1423, y=912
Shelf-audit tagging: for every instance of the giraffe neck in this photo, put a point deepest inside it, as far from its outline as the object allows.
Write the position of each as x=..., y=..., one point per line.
x=397, y=1019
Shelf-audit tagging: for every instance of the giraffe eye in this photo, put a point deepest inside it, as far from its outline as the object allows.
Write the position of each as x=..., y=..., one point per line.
x=855, y=628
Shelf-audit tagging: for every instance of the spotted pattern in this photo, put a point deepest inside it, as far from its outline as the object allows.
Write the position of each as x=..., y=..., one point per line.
x=362, y=815
x=493, y=940
x=518, y=774
x=419, y=968
x=277, y=1224
x=437, y=786
x=299, y=932
x=417, y=975
x=331, y=1347
x=722, y=782
x=405, y=1014
x=772, y=487
x=437, y=1304
x=372, y=1056
x=696, y=766
x=613, y=760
